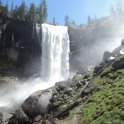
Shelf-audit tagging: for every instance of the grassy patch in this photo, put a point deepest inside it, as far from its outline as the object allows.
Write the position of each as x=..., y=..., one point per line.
x=6, y=78
x=78, y=77
x=106, y=104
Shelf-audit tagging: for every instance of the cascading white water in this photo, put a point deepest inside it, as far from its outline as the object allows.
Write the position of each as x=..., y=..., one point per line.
x=55, y=53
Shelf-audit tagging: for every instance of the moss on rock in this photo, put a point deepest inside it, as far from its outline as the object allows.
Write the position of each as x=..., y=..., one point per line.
x=106, y=105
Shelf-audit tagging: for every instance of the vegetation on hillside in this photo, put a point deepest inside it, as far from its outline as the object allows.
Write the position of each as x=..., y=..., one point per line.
x=23, y=12
x=105, y=105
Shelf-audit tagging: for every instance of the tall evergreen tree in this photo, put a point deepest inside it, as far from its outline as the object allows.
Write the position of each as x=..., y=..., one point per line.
x=4, y=9
x=32, y=12
x=40, y=13
x=66, y=20
x=37, y=17
x=89, y=20
x=22, y=11
x=15, y=12
x=0, y=3
x=73, y=22
x=54, y=21
x=44, y=10
x=0, y=7
x=11, y=11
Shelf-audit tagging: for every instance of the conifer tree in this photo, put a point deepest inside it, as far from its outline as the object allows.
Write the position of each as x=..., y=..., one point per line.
x=11, y=11
x=32, y=12
x=40, y=13
x=66, y=20
x=44, y=10
x=22, y=11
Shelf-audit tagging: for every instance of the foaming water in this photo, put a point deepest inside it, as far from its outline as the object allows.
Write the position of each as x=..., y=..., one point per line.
x=21, y=91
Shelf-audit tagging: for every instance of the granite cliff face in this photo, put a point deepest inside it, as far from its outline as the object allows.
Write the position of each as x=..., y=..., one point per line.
x=20, y=42
x=95, y=97
x=90, y=41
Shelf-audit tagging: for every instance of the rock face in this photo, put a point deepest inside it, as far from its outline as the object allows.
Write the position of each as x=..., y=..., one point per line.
x=19, y=117
x=37, y=104
x=46, y=107
x=117, y=51
x=52, y=105
x=19, y=41
x=88, y=42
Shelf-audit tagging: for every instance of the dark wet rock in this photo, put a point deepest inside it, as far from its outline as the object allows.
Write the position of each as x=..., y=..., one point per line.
x=83, y=94
x=54, y=98
x=1, y=117
x=55, y=105
x=98, y=69
x=107, y=55
x=37, y=118
x=31, y=107
x=19, y=117
x=86, y=76
x=5, y=117
x=42, y=107
x=122, y=42
x=84, y=81
x=45, y=120
x=17, y=39
x=68, y=91
x=117, y=50
x=78, y=84
x=37, y=104
x=118, y=64
x=61, y=87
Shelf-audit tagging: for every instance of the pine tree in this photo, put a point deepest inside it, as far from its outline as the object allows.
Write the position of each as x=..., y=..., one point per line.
x=22, y=11
x=15, y=12
x=89, y=20
x=73, y=22
x=37, y=17
x=40, y=13
x=4, y=9
x=32, y=12
x=54, y=21
x=66, y=20
x=44, y=10
x=0, y=3
x=11, y=11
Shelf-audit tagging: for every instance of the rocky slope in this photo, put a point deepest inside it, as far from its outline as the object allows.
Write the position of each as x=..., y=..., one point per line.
x=93, y=98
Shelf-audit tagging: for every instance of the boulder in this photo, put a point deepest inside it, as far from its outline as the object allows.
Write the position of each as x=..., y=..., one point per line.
x=68, y=91
x=98, y=69
x=37, y=104
x=19, y=117
x=122, y=42
x=107, y=55
x=118, y=64
x=1, y=117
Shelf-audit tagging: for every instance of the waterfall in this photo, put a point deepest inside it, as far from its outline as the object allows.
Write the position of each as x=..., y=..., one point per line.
x=54, y=67
x=55, y=53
